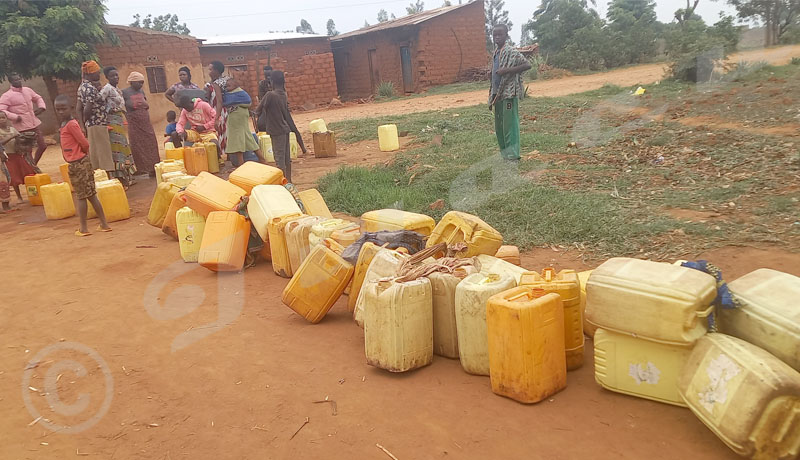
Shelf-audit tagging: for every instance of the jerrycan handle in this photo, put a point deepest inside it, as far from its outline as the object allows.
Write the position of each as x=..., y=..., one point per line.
x=699, y=314
x=527, y=294
x=548, y=274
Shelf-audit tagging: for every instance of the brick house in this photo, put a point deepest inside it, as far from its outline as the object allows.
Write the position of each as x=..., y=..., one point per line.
x=413, y=52
x=306, y=59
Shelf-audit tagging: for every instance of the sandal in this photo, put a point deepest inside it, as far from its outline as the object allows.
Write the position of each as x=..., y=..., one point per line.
x=80, y=233
x=101, y=229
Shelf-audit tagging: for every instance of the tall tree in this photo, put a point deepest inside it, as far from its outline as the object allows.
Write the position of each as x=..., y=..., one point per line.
x=50, y=39
x=685, y=14
x=305, y=27
x=447, y=3
x=163, y=23
x=495, y=14
x=331, y=26
x=366, y=24
x=777, y=16
x=383, y=16
x=415, y=8
x=571, y=34
x=633, y=26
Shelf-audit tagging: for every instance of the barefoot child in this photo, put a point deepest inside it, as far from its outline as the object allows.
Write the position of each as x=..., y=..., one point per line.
x=171, y=132
x=74, y=148
x=18, y=167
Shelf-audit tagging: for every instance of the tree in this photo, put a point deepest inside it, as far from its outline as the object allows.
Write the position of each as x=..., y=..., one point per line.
x=495, y=14
x=446, y=3
x=415, y=8
x=332, y=32
x=383, y=16
x=778, y=16
x=685, y=14
x=50, y=39
x=555, y=26
x=633, y=28
x=163, y=23
x=695, y=49
x=305, y=27
x=366, y=24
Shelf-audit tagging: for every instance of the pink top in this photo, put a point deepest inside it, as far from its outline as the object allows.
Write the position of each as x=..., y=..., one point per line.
x=20, y=101
x=202, y=115
x=74, y=144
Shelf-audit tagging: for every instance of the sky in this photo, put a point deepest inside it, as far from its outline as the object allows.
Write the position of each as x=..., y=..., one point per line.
x=207, y=18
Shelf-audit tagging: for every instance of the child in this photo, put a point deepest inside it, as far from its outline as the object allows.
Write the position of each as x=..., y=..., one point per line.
x=240, y=139
x=280, y=123
x=74, y=149
x=18, y=167
x=171, y=130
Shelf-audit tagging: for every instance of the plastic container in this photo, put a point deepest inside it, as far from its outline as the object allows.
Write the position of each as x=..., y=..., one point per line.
x=112, y=197
x=324, y=144
x=387, y=138
x=325, y=229
x=749, y=398
x=224, y=244
x=191, y=226
x=207, y=193
x=317, y=126
x=346, y=236
x=297, y=232
x=398, y=324
x=318, y=284
x=294, y=147
x=174, y=154
x=365, y=256
x=279, y=252
x=100, y=175
x=252, y=173
x=566, y=284
x=64, y=170
x=639, y=367
x=195, y=160
x=583, y=277
x=445, y=332
x=165, y=191
x=526, y=344
x=170, y=226
x=770, y=315
x=491, y=264
x=385, y=264
x=395, y=219
x=510, y=254
x=471, y=297
x=314, y=204
x=168, y=145
x=457, y=227
x=652, y=300
x=265, y=144
x=211, y=155
x=168, y=166
x=181, y=180
x=57, y=201
x=267, y=202
x=32, y=184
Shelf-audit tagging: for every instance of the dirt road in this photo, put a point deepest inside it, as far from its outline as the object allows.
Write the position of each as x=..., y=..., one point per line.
x=638, y=75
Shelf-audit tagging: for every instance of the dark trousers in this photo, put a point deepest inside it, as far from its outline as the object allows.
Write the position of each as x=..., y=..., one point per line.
x=280, y=149
x=41, y=146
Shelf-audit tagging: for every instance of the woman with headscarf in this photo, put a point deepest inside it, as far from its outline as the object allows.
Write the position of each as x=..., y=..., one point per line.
x=215, y=89
x=144, y=145
x=93, y=118
x=185, y=82
x=117, y=131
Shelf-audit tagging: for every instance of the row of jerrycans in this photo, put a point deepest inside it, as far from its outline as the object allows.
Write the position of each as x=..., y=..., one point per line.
x=651, y=341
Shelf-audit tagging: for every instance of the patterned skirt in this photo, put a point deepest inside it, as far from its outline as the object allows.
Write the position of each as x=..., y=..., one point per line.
x=124, y=168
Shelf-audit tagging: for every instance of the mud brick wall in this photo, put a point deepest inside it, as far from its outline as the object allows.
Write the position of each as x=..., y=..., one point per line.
x=316, y=84
x=351, y=58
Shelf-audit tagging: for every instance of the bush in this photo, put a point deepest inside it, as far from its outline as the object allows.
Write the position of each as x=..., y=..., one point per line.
x=743, y=69
x=796, y=61
x=695, y=48
x=537, y=63
x=385, y=90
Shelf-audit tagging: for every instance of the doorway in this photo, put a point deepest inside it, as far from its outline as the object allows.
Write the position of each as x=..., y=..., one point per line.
x=408, y=76
x=374, y=73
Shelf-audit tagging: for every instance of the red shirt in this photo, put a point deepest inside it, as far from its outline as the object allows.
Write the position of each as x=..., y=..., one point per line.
x=74, y=144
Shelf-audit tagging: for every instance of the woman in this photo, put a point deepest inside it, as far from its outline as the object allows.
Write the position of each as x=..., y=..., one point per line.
x=93, y=118
x=118, y=133
x=215, y=89
x=185, y=77
x=144, y=145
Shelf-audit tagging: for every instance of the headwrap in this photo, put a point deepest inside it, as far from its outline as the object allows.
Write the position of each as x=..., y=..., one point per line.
x=135, y=76
x=90, y=67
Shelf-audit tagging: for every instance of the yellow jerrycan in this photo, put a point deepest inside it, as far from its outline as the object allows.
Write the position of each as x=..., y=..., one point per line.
x=170, y=226
x=314, y=204
x=651, y=300
x=294, y=147
x=317, y=126
x=388, y=140
x=252, y=173
x=265, y=144
x=267, y=202
x=174, y=153
x=749, y=398
x=491, y=264
x=460, y=227
x=168, y=166
x=769, y=316
x=211, y=155
x=445, y=333
x=639, y=367
x=566, y=284
x=346, y=236
x=398, y=324
x=100, y=175
x=64, y=170
x=224, y=244
x=57, y=201
x=278, y=249
x=112, y=197
x=195, y=160
x=325, y=229
x=207, y=193
x=318, y=284
x=384, y=265
x=165, y=191
x=32, y=184
x=297, y=232
x=395, y=219
x=472, y=295
x=526, y=344
x=583, y=277
x=181, y=180
x=510, y=254
x=190, y=233
x=365, y=256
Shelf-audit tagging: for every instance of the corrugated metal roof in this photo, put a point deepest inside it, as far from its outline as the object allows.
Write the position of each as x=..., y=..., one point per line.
x=148, y=31
x=255, y=39
x=410, y=20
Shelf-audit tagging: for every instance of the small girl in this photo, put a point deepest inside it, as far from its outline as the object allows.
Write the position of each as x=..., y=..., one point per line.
x=18, y=167
x=240, y=138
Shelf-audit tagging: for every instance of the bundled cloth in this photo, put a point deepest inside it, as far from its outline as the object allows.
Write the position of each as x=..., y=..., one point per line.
x=418, y=266
x=412, y=241
x=236, y=97
x=724, y=297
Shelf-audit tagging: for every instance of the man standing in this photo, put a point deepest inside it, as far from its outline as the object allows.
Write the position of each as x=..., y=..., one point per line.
x=508, y=65
x=22, y=106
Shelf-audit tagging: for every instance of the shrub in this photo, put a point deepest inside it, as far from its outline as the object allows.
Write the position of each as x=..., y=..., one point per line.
x=695, y=48
x=796, y=61
x=385, y=90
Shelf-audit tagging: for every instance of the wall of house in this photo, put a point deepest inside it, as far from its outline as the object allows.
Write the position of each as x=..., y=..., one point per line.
x=49, y=124
x=307, y=62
